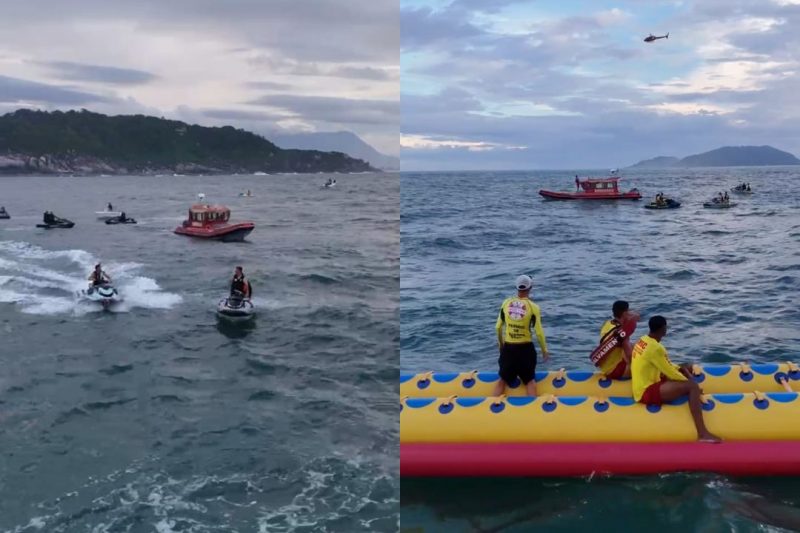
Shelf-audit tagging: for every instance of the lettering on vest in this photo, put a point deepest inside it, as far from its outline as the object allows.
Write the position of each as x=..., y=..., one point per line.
x=610, y=340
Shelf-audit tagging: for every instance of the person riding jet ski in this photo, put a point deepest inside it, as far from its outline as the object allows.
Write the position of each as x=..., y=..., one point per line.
x=240, y=285
x=98, y=276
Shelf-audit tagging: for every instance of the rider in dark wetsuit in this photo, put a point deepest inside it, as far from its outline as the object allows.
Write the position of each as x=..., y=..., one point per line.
x=241, y=284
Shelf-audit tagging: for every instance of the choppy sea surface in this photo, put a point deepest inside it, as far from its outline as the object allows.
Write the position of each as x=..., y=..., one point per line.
x=728, y=282
x=157, y=415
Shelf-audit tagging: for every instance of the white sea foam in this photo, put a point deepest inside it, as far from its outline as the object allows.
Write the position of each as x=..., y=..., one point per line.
x=48, y=282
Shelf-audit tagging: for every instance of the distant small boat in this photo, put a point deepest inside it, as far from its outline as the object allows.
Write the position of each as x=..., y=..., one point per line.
x=719, y=205
x=105, y=215
x=4, y=214
x=669, y=203
x=57, y=223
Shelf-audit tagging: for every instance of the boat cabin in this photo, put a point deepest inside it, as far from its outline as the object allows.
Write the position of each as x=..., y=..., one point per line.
x=602, y=185
x=204, y=214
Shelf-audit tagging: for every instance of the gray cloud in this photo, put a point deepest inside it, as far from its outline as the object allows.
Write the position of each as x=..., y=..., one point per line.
x=361, y=73
x=160, y=56
x=323, y=30
x=424, y=26
x=15, y=90
x=335, y=110
x=573, y=116
x=269, y=85
x=237, y=115
x=282, y=65
x=67, y=70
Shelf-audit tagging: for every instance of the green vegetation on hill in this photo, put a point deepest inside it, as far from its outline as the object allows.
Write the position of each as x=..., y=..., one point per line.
x=138, y=143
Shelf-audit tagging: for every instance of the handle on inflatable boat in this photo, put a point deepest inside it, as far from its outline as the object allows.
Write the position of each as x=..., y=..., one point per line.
x=696, y=370
x=792, y=367
x=785, y=385
x=549, y=398
x=745, y=368
x=449, y=400
x=497, y=400
x=760, y=397
x=560, y=374
x=424, y=379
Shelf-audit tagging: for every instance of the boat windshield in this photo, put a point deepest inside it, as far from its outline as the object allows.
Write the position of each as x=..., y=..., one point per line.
x=214, y=215
x=591, y=186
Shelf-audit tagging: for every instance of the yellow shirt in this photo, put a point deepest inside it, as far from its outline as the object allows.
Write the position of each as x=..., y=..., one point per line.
x=514, y=322
x=614, y=356
x=648, y=363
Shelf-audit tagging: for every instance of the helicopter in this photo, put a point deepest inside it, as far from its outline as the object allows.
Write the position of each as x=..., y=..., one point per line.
x=650, y=38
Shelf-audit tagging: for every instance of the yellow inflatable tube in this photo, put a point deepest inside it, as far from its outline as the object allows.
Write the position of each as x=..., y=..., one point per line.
x=744, y=416
x=713, y=379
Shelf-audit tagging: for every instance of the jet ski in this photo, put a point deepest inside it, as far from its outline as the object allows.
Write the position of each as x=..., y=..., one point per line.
x=56, y=223
x=105, y=295
x=235, y=306
x=329, y=184
x=741, y=191
x=106, y=214
x=719, y=205
x=119, y=220
x=669, y=203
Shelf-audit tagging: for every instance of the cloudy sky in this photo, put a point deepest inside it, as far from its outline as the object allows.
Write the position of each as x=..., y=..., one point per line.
x=298, y=65
x=507, y=84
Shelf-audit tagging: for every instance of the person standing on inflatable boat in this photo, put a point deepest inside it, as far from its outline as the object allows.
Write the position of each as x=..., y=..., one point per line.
x=656, y=380
x=518, y=315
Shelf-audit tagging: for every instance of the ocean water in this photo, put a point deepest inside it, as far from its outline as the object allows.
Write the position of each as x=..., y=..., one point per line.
x=158, y=416
x=727, y=281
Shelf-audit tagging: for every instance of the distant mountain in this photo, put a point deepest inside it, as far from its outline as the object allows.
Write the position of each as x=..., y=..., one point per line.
x=661, y=161
x=91, y=143
x=740, y=156
x=337, y=141
x=727, y=156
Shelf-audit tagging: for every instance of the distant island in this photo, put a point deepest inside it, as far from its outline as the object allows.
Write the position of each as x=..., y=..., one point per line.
x=727, y=156
x=337, y=141
x=82, y=142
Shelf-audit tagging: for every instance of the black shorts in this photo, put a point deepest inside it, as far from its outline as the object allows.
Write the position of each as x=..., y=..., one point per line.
x=518, y=361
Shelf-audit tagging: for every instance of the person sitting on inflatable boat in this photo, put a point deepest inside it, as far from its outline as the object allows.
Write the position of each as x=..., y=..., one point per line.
x=240, y=284
x=98, y=276
x=656, y=380
x=517, y=316
x=613, y=355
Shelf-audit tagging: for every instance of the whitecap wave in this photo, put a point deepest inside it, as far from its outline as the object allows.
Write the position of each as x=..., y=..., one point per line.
x=48, y=282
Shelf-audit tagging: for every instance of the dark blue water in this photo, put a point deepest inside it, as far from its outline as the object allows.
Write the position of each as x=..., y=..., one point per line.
x=158, y=416
x=727, y=281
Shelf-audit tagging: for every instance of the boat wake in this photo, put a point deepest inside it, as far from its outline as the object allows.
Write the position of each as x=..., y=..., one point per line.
x=47, y=282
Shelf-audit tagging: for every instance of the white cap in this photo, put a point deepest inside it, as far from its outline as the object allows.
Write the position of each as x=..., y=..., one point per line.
x=524, y=283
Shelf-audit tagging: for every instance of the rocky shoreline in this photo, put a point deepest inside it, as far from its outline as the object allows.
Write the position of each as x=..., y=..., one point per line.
x=23, y=164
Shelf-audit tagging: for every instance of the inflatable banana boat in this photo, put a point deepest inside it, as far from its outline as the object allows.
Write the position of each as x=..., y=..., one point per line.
x=582, y=423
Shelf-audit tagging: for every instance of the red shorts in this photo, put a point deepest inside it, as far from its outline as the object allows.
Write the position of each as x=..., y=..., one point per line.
x=618, y=371
x=652, y=394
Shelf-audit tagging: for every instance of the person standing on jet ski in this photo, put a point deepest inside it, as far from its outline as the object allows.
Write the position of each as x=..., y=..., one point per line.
x=98, y=276
x=241, y=284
